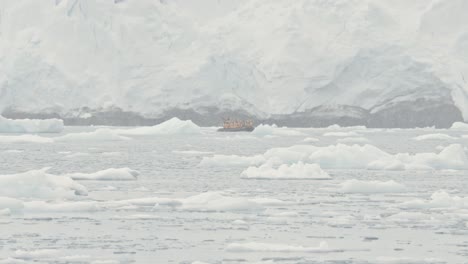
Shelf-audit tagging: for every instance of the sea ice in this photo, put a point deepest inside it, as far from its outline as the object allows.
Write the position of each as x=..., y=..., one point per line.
x=357, y=186
x=25, y=139
x=173, y=126
x=439, y=199
x=273, y=130
x=101, y=134
x=353, y=140
x=269, y=247
x=311, y=140
x=39, y=184
x=437, y=136
x=297, y=170
x=342, y=156
x=120, y=174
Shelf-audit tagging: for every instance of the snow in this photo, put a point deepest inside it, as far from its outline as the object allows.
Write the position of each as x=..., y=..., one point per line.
x=39, y=184
x=273, y=130
x=111, y=174
x=437, y=136
x=357, y=186
x=101, y=134
x=30, y=125
x=25, y=139
x=270, y=247
x=173, y=126
x=285, y=172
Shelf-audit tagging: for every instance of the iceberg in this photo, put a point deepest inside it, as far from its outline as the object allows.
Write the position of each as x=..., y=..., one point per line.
x=30, y=125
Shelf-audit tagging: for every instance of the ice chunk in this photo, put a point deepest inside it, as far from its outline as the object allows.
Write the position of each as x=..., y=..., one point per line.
x=25, y=139
x=269, y=247
x=357, y=186
x=341, y=134
x=192, y=152
x=101, y=134
x=36, y=254
x=353, y=140
x=342, y=156
x=173, y=126
x=230, y=160
x=11, y=204
x=121, y=174
x=297, y=170
x=30, y=125
x=437, y=136
x=459, y=126
x=273, y=130
x=61, y=207
x=217, y=201
x=310, y=140
x=407, y=260
x=39, y=184
x=439, y=199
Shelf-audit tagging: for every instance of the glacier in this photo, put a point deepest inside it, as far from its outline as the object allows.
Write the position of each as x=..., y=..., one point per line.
x=391, y=63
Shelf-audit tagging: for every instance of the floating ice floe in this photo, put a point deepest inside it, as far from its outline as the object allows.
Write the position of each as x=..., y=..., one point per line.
x=407, y=260
x=61, y=207
x=269, y=247
x=39, y=184
x=173, y=126
x=311, y=140
x=437, y=136
x=439, y=199
x=357, y=186
x=206, y=202
x=25, y=139
x=342, y=156
x=273, y=130
x=30, y=125
x=353, y=140
x=217, y=201
x=35, y=254
x=459, y=126
x=297, y=170
x=192, y=152
x=76, y=155
x=120, y=174
x=230, y=160
x=341, y=134
x=101, y=134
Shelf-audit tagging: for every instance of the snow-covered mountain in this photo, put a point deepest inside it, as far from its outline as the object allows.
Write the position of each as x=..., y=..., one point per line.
x=383, y=63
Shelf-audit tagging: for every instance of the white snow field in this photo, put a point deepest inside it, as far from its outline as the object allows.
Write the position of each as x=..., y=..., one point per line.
x=212, y=197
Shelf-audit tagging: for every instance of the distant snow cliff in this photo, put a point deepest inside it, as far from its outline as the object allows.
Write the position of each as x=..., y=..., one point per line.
x=389, y=63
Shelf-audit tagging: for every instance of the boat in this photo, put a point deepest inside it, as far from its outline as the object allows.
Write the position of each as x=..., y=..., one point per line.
x=234, y=125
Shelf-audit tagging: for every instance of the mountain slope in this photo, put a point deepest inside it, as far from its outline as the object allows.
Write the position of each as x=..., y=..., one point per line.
x=78, y=58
